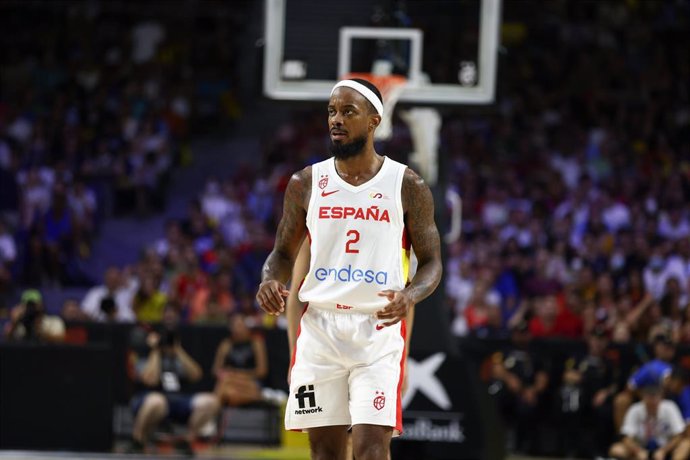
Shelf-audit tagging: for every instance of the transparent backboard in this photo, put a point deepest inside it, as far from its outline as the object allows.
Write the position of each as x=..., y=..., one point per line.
x=446, y=48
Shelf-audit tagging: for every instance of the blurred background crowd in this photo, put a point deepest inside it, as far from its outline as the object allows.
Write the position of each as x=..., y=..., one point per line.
x=575, y=184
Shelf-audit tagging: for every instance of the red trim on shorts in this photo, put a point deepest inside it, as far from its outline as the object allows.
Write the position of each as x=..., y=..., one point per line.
x=299, y=330
x=398, y=415
x=294, y=351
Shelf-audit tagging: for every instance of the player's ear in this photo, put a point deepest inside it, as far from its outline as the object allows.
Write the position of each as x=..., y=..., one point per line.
x=374, y=121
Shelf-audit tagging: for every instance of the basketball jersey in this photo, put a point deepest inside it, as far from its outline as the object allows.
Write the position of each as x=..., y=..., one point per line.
x=358, y=241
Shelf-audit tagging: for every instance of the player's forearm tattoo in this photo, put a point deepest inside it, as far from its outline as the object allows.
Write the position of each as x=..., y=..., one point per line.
x=291, y=228
x=419, y=220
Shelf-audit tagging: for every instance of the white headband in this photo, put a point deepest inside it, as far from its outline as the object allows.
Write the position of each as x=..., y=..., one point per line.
x=364, y=91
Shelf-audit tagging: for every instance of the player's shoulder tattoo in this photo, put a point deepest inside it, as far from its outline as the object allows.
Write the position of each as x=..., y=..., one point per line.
x=415, y=191
x=299, y=188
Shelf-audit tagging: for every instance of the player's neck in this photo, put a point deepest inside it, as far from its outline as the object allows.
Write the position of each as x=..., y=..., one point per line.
x=359, y=168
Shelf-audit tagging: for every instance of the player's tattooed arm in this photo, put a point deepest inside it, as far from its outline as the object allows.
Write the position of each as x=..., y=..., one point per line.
x=418, y=205
x=291, y=230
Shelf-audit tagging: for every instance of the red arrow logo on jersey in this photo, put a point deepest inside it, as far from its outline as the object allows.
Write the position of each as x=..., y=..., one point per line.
x=325, y=193
x=379, y=327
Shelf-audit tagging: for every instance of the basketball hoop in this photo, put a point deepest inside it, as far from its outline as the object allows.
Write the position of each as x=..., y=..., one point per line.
x=424, y=123
x=391, y=87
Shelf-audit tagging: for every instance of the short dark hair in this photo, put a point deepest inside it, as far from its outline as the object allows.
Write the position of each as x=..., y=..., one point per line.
x=373, y=88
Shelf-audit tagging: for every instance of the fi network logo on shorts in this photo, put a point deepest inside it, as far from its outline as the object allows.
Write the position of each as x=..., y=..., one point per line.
x=306, y=396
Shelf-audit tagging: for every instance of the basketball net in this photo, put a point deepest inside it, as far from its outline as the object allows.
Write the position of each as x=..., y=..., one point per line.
x=391, y=87
x=424, y=123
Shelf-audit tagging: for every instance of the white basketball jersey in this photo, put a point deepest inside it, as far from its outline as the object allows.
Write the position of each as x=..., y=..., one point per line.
x=358, y=241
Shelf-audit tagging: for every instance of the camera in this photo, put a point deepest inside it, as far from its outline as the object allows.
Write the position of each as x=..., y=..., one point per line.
x=168, y=338
x=108, y=306
x=30, y=311
x=31, y=314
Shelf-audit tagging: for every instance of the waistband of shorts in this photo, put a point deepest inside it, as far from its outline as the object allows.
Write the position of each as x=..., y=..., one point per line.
x=340, y=309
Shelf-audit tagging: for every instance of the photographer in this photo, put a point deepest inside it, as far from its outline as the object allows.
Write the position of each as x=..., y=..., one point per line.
x=162, y=376
x=29, y=322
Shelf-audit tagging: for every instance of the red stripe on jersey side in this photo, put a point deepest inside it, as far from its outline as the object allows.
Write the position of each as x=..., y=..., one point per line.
x=406, y=243
x=309, y=236
x=398, y=411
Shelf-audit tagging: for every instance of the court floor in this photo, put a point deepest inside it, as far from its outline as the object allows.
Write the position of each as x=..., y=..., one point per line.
x=225, y=453
x=221, y=453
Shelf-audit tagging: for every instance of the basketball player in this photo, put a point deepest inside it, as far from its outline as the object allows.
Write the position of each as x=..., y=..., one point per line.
x=361, y=212
x=294, y=309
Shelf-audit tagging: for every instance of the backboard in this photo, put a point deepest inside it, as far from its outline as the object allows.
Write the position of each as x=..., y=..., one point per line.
x=446, y=48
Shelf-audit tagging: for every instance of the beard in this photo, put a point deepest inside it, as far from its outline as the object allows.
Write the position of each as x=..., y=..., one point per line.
x=342, y=151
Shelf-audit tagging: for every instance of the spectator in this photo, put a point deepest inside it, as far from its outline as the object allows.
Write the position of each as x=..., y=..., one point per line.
x=8, y=255
x=677, y=389
x=30, y=322
x=459, y=290
x=162, y=376
x=507, y=285
x=217, y=202
x=149, y=302
x=146, y=37
x=173, y=238
x=652, y=428
x=188, y=277
x=519, y=380
x=71, y=311
x=654, y=372
x=82, y=204
x=35, y=196
x=119, y=289
x=213, y=303
x=483, y=311
x=658, y=271
x=673, y=225
x=241, y=363
x=589, y=384
x=57, y=234
x=637, y=322
x=261, y=200
x=552, y=318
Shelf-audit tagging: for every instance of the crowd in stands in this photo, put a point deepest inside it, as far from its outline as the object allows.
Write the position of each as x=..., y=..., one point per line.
x=576, y=225
x=96, y=111
x=576, y=195
x=205, y=266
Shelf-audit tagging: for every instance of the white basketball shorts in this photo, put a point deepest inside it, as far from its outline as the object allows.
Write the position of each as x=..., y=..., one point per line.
x=346, y=370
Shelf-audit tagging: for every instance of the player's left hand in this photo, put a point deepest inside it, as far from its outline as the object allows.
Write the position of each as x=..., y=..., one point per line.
x=398, y=305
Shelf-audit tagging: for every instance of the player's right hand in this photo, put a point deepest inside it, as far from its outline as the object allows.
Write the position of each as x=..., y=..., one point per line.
x=271, y=297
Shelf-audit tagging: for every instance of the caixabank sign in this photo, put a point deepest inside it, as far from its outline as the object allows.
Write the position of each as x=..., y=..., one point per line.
x=446, y=412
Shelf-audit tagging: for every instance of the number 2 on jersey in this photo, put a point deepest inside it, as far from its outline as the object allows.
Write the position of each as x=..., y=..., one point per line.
x=354, y=238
